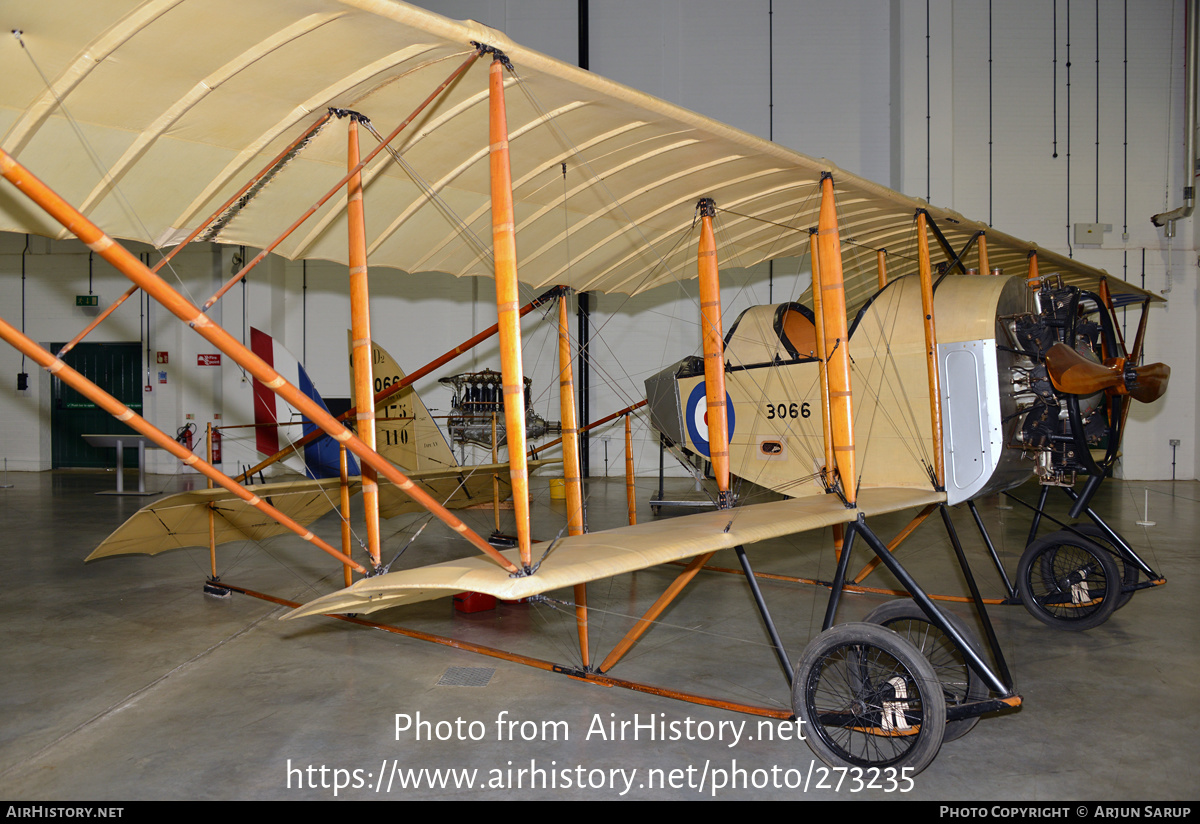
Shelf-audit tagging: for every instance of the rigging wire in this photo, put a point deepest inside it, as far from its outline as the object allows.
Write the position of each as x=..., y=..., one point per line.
x=94, y=157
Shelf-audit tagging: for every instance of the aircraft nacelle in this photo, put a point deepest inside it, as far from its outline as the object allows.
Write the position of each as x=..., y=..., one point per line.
x=775, y=399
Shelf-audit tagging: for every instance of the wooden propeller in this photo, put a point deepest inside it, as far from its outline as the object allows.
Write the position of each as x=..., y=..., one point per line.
x=1075, y=374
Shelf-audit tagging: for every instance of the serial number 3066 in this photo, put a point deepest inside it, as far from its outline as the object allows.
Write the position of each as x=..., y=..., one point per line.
x=788, y=410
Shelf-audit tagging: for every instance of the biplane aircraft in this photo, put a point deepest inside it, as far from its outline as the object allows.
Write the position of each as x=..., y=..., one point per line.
x=589, y=185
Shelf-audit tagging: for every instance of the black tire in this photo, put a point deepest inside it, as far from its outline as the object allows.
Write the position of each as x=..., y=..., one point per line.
x=1129, y=571
x=1068, y=583
x=868, y=698
x=960, y=683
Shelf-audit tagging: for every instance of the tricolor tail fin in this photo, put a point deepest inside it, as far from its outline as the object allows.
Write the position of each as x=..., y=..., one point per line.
x=321, y=457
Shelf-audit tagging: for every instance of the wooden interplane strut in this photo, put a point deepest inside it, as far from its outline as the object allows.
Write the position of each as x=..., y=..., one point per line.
x=833, y=310
x=828, y=478
x=713, y=340
x=504, y=253
x=935, y=392
x=360, y=334
x=572, y=482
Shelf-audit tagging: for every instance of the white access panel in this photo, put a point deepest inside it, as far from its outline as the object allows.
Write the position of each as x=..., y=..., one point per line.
x=971, y=434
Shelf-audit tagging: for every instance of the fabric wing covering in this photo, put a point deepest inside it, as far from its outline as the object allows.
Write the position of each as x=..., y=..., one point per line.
x=181, y=101
x=181, y=520
x=581, y=558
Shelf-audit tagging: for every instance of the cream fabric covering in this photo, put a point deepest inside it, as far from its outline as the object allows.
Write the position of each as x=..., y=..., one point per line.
x=180, y=101
x=597, y=555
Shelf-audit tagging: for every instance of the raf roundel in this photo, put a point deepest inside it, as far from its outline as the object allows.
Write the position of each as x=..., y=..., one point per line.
x=696, y=416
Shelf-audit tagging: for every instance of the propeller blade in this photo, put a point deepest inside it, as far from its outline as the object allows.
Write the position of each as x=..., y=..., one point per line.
x=1151, y=382
x=1074, y=374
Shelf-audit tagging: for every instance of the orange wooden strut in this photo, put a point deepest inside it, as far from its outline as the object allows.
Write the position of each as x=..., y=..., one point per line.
x=646, y=621
x=983, y=255
x=822, y=380
x=630, y=493
x=504, y=252
x=713, y=340
x=935, y=390
x=344, y=508
x=360, y=335
x=571, y=473
x=833, y=308
x=881, y=266
x=212, y=515
x=185, y=310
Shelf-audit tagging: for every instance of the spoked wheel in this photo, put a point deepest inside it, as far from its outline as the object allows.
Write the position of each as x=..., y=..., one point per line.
x=869, y=699
x=1068, y=583
x=960, y=683
x=1128, y=571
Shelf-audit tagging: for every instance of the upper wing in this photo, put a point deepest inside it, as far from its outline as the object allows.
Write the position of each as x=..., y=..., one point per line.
x=182, y=100
x=582, y=558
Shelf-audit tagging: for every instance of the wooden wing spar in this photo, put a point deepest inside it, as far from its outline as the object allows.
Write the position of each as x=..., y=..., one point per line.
x=225, y=88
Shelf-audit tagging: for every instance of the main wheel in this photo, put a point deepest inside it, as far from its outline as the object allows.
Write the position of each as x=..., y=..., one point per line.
x=868, y=698
x=1129, y=571
x=960, y=683
x=1068, y=583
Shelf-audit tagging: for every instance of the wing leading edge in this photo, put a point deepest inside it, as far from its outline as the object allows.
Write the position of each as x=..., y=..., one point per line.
x=596, y=555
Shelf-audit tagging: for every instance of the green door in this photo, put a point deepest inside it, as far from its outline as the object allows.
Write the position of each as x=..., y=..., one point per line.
x=115, y=368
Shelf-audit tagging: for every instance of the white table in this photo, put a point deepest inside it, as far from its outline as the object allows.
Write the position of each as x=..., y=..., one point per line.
x=119, y=441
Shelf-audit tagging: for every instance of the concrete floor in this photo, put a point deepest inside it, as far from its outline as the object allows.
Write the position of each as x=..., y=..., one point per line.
x=121, y=680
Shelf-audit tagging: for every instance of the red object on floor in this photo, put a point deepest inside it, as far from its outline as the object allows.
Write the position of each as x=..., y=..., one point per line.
x=474, y=602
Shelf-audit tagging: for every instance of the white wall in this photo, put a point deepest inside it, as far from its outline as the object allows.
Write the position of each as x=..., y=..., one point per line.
x=850, y=84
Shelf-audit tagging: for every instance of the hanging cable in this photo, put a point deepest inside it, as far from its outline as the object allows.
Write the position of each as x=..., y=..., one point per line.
x=23, y=376
x=1054, y=79
x=1097, y=111
x=1070, y=249
x=990, y=101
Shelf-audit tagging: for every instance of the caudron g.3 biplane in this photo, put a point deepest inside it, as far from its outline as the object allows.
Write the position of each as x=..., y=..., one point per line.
x=597, y=182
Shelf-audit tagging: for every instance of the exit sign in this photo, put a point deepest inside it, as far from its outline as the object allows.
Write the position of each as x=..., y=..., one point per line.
x=87, y=300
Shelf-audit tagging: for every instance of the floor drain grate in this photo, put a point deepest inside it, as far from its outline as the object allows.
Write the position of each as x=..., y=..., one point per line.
x=466, y=676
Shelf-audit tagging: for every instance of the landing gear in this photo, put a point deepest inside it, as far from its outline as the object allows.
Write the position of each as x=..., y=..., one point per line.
x=869, y=698
x=1129, y=571
x=1068, y=583
x=960, y=683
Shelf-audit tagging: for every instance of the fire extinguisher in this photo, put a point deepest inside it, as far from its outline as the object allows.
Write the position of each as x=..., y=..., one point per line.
x=184, y=434
x=216, y=445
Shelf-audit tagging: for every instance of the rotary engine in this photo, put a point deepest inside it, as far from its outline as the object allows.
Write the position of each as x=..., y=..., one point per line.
x=478, y=400
x=1058, y=428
